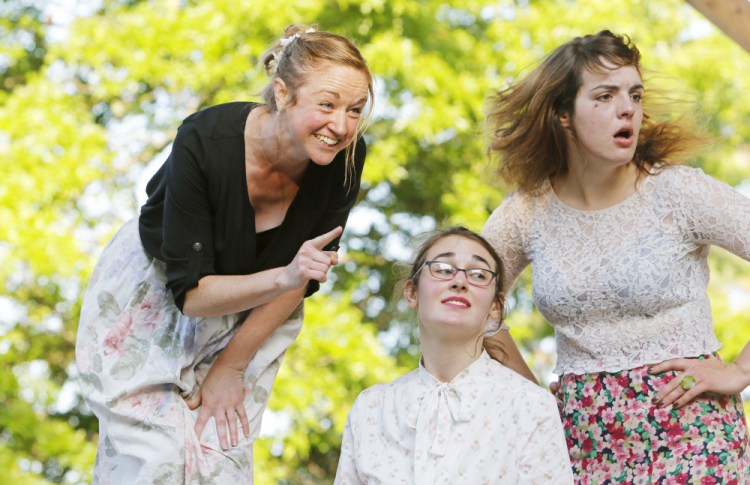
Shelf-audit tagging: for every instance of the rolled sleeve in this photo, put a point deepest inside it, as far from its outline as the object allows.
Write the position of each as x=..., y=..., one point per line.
x=176, y=222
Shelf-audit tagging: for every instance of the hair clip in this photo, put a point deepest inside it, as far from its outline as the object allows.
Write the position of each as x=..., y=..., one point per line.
x=285, y=41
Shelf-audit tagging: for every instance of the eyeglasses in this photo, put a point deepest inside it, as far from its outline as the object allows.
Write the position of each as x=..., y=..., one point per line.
x=445, y=271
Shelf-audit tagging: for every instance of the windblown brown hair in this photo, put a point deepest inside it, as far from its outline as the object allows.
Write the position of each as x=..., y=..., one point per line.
x=523, y=119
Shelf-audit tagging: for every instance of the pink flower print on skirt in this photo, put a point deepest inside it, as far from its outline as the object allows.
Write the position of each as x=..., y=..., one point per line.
x=138, y=359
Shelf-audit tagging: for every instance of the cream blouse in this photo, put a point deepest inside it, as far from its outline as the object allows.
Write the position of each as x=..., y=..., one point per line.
x=488, y=426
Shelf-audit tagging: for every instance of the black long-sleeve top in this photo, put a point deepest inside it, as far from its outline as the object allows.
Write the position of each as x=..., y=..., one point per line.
x=198, y=218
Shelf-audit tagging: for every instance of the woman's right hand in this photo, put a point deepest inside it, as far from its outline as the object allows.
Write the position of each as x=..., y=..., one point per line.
x=312, y=262
x=221, y=396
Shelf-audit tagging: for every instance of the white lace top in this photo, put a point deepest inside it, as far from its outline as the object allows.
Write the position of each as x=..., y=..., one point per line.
x=624, y=286
x=489, y=425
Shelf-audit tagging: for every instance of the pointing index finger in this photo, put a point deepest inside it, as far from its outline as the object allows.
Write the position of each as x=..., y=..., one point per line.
x=324, y=239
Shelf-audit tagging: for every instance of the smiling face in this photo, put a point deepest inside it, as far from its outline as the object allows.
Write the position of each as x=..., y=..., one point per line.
x=454, y=309
x=323, y=115
x=606, y=119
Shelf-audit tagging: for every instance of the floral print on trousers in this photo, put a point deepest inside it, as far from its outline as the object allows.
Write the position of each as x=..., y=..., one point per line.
x=139, y=358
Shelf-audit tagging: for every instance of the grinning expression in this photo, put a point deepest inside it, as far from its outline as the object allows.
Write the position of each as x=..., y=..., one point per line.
x=454, y=308
x=606, y=120
x=324, y=118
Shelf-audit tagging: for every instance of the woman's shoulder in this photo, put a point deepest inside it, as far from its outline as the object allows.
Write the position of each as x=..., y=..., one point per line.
x=379, y=391
x=519, y=208
x=508, y=381
x=526, y=200
x=677, y=174
x=219, y=121
x=678, y=181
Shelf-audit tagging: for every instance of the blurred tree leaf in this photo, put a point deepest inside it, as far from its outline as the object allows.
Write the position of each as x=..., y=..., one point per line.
x=86, y=115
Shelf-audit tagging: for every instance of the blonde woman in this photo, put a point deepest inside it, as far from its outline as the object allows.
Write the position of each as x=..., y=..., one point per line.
x=193, y=303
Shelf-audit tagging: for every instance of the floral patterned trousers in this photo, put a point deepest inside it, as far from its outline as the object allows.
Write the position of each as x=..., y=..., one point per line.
x=616, y=435
x=138, y=359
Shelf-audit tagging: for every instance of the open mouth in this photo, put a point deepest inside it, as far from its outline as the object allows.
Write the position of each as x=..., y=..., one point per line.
x=624, y=134
x=457, y=302
x=331, y=142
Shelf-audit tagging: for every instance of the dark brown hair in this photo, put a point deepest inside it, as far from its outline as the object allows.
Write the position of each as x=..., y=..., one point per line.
x=523, y=119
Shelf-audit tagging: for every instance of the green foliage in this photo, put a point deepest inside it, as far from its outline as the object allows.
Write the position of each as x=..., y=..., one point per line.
x=81, y=118
x=338, y=355
x=22, y=43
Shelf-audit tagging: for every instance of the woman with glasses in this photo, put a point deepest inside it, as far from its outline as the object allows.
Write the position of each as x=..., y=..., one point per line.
x=461, y=417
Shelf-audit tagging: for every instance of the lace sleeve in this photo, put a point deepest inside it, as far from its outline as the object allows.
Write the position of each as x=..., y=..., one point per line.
x=715, y=212
x=503, y=230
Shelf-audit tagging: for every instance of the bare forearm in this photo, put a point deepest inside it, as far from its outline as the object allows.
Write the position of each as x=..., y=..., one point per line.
x=503, y=349
x=224, y=294
x=218, y=295
x=257, y=327
x=743, y=363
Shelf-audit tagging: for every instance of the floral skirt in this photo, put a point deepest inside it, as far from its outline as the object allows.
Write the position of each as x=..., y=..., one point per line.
x=616, y=435
x=139, y=357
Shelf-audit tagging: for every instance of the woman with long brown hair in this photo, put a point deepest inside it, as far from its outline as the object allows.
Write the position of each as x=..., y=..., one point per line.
x=618, y=233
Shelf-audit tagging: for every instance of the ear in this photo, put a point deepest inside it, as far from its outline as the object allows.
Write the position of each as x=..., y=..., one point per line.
x=564, y=118
x=496, y=310
x=410, y=293
x=280, y=93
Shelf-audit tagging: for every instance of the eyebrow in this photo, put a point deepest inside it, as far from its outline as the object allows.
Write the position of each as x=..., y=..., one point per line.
x=338, y=96
x=474, y=257
x=634, y=87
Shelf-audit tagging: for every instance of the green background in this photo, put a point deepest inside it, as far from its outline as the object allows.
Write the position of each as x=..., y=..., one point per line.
x=90, y=102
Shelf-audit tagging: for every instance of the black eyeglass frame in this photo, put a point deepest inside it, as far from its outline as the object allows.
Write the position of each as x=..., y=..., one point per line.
x=455, y=270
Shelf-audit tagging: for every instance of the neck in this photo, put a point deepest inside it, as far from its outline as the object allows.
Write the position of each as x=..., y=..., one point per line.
x=445, y=360
x=265, y=145
x=588, y=188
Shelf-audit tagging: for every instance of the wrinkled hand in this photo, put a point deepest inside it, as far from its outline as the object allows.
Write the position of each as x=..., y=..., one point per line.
x=221, y=395
x=311, y=261
x=711, y=375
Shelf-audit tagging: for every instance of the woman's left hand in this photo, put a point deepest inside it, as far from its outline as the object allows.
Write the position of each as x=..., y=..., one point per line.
x=709, y=375
x=222, y=396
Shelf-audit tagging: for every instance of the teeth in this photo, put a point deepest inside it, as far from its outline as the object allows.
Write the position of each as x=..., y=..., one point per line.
x=459, y=302
x=326, y=140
